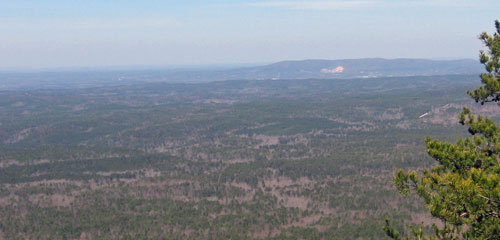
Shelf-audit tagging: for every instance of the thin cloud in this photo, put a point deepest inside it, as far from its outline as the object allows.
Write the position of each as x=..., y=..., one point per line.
x=325, y=5
x=313, y=5
x=88, y=23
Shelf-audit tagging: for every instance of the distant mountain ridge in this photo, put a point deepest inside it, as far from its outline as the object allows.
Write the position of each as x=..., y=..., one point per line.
x=291, y=70
x=331, y=69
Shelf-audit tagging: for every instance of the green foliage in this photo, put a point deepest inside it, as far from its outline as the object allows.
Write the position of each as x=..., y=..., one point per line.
x=463, y=190
x=490, y=91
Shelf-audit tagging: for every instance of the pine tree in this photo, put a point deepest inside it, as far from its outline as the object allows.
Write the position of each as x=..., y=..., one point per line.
x=463, y=190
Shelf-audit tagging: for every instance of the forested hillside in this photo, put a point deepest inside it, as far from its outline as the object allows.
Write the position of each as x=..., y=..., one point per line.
x=285, y=159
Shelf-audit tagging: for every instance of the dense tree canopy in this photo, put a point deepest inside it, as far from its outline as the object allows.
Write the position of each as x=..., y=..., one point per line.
x=463, y=190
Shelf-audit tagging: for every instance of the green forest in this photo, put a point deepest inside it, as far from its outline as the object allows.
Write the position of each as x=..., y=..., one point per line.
x=284, y=159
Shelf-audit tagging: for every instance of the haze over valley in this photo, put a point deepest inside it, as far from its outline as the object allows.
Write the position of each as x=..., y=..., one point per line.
x=287, y=70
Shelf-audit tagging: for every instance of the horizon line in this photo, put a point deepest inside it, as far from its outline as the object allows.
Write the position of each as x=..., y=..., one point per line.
x=180, y=67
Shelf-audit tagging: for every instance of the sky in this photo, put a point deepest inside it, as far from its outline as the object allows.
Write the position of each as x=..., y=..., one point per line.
x=100, y=33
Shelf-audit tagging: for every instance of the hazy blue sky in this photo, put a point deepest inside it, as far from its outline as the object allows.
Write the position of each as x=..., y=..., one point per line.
x=64, y=33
